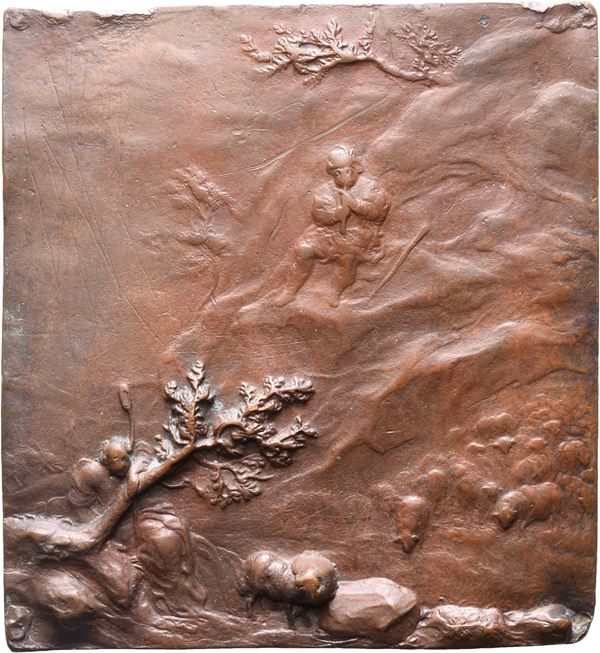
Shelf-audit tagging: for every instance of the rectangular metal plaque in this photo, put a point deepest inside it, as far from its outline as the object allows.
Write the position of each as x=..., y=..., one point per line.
x=300, y=326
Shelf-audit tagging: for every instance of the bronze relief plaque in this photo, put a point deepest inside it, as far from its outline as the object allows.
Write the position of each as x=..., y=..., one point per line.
x=300, y=326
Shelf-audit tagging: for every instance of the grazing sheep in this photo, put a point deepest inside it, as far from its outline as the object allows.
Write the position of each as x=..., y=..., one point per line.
x=582, y=494
x=435, y=484
x=470, y=490
x=529, y=503
x=410, y=514
x=411, y=520
x=574, y=455
x=309, y=579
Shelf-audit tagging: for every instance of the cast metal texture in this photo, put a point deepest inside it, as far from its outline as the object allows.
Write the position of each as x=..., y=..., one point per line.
x=300, y=326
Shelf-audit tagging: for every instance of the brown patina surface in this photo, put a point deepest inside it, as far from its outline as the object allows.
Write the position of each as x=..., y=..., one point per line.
x=376, y=228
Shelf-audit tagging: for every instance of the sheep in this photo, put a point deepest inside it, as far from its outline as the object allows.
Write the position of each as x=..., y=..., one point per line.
x=411, y=520
x=309, y=579
x=410, y=514
x=529, y=503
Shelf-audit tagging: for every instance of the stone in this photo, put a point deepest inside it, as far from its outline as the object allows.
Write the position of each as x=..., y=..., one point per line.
x=547, y=624
x=450, y=626
x=453, y=625
x=367, y=607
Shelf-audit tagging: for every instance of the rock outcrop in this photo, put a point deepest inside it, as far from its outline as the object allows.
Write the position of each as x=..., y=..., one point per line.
x=371, y=607
x=449, y=626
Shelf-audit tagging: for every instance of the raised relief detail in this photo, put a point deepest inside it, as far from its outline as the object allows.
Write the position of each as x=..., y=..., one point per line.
x=528, y=503
x=416, y=233
x=313, y=53
x=550, y=473
x=191, y=189
x=187, y=432
x=347, y=215
x=308, y=579
x=105, y=487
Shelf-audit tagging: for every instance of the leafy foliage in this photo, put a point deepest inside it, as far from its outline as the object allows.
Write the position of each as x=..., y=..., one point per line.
x=186, y=422
x=192, y=187
x=431, y=53
x=188, y=433
x=239, y=480
x=233, y=482
x=312, y=53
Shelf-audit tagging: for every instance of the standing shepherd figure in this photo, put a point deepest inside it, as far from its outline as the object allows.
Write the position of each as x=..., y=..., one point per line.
x=347, y=213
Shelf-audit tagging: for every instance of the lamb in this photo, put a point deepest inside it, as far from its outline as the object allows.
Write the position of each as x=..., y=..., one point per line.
x=411, y=520
x=529, y=503
x=309, y=579
x=410, y=514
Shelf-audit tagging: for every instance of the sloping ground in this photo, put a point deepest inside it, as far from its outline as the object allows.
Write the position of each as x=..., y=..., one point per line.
x=460, y=381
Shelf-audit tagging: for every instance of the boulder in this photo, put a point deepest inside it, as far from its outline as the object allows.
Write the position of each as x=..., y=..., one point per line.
x=547, y=624
x=68, y=597
x=371, y=607
x=453, y=626
x=17, y=620
x=449, y=626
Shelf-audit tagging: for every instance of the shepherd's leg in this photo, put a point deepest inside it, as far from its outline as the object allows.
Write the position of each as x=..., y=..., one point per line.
x=298, y=274
x=344, y=276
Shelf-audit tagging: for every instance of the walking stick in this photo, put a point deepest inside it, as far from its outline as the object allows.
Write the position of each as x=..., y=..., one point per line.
x=127, y=403
x=413, y=243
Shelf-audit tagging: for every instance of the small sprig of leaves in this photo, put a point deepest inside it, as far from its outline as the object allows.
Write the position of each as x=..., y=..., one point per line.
x=274, y=61
x=278, y=447
x=237, y=481
x=186, y=423
x=311, y=53
x=162, y=448
x=253, y=422
x=192, y=187
x=277, y=392
x=431, y=53
x=366, y=41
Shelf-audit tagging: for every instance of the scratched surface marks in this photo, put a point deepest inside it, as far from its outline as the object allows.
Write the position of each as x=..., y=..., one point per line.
x=388, y=212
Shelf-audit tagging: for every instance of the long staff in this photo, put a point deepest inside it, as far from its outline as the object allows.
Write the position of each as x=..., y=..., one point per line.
x=405, y=254
x=127, y=403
